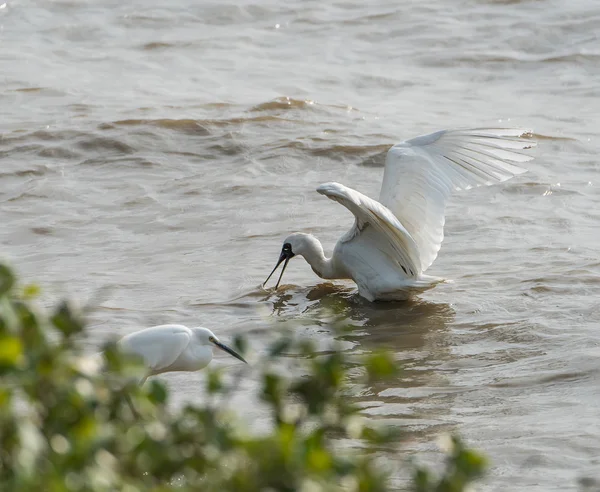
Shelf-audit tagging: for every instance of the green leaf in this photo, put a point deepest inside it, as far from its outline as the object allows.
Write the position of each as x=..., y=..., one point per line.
x=319, y=460
x=7, y=280
x=279, y=347
x=32, y=334
x=158, y=392
x=240, y=344
x=214, y=384
x=11, y=351
x=5, y=397
x=422, y=481
x=31, y=291
x=380, y=365
x=65, y=320
x=381, y=435
x=272, y=391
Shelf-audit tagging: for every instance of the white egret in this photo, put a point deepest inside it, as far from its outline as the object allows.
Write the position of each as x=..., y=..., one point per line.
x=168, y=348
x=395, y=240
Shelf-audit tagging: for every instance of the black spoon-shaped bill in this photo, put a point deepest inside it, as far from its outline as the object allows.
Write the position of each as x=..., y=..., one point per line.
x=286, y=255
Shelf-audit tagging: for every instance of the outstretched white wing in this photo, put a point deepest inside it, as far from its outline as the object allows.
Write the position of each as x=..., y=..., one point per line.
x=421, y=173
x=369, y=212
x=158, y=346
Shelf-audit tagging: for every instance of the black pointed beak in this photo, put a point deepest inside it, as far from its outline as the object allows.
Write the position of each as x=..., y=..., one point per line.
x=286, y=255
x=229, y=350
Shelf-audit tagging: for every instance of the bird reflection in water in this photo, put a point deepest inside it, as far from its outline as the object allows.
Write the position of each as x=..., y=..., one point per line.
x=416, y=331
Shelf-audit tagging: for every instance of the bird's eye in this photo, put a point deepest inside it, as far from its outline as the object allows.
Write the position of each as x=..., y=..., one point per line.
x=211, y=339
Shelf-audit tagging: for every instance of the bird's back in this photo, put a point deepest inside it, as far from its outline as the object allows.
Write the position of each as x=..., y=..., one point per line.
x=159, y=346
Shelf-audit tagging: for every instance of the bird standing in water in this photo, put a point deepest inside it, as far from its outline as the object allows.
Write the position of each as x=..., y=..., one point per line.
x=168, y=348
x=396, y=239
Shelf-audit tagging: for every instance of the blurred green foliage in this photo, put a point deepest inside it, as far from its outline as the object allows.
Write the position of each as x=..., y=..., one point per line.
x=71, y=422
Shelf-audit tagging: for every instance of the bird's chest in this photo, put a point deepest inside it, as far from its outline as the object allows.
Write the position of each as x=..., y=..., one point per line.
x=193, y=359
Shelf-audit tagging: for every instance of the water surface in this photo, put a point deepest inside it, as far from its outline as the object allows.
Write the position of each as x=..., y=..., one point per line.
x=163, y=151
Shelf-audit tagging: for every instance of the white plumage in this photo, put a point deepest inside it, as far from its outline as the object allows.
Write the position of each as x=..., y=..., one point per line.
x=420, y=174
x=396, y=239
x=167, y=348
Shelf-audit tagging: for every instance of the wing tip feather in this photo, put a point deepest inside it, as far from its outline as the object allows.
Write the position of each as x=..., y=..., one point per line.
x=330, y=188
x=523, y=135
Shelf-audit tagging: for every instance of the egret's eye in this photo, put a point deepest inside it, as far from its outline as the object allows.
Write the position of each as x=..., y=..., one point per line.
x=211, y=339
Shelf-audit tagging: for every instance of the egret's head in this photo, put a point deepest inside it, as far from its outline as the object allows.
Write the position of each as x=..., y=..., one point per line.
x=295, y=244
x=208, y=338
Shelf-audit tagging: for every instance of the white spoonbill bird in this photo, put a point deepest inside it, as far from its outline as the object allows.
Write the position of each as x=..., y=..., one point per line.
x=396, y=239
x=167, y=348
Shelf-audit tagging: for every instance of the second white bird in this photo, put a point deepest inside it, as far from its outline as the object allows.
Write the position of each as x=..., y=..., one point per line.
x=167, y=348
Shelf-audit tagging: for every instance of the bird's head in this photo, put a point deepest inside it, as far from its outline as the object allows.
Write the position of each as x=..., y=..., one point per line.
x=207, y=338
x=297, y=244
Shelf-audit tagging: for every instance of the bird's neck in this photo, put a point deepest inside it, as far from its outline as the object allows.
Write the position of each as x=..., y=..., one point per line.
x=324, y=267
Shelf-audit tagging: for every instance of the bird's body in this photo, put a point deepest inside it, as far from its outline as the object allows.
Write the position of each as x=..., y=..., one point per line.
x=395, y=240
x=168, y=348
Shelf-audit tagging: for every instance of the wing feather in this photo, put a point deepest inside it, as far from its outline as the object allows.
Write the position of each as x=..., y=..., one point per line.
x=158, y=346
x=421, y=173
x=369, y=212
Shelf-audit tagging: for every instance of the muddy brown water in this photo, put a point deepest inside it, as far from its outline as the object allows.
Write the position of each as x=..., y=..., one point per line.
x=162, y=151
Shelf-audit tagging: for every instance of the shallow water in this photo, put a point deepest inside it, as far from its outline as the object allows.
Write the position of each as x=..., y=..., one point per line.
x=154, y=156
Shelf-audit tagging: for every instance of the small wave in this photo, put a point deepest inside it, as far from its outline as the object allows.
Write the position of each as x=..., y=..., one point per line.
x=187, y=126
x=122, y=162
x=30, y=89
x=227, y=148
x=21, y=173
x=367, y=19
x=42, y=231
x=572, y=276
x=475, y=59
x=287, y=103
x=373, y=153
x=283, y=103
x=43, y=135
x=95, y=143
x=202, y=127
x=215, y=105
x=57, y=152
x=49, y=144
x=536, y=380
x=50, y=152
x=157, y=45
x=505, y=2
x=80, y=108
x=46, y=90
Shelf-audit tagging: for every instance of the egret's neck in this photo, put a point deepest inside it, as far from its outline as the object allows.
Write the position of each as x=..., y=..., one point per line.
x=314, y=255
